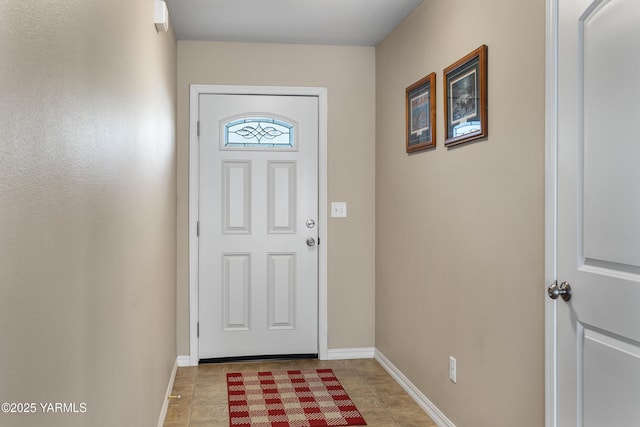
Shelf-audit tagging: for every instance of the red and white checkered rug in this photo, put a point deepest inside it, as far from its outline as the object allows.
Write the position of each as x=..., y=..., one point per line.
x=301, y=398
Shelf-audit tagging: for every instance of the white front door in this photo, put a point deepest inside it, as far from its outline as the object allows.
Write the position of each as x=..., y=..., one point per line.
x=598, y=215
x=258, y=215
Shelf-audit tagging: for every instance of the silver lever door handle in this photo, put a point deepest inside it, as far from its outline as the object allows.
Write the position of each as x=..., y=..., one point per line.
x=563, y=290
x=311, y=241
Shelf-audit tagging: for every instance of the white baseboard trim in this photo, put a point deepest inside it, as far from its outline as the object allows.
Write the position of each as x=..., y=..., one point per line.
x=165, y=405
x=351, y=353
x=434, y=413
x=183, y=361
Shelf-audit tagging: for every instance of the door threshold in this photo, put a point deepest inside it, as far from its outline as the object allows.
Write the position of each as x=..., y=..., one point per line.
x=262, y=358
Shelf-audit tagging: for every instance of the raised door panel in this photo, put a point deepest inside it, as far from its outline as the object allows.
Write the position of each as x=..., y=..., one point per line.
x=236, y=292
x=281, y=291
x=236, y=197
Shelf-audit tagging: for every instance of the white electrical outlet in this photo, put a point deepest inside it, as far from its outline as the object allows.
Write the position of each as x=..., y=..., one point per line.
x=452, y=369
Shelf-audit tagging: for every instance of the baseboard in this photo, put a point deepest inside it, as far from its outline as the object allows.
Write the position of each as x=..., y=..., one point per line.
x=434, y=413
x=350, y=353
x=165, y=405
x=183, y=361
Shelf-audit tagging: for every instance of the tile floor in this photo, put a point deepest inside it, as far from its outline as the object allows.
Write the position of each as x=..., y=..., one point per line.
x=380, y=400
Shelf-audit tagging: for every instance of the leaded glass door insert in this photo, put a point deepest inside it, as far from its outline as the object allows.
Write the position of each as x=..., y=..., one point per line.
x=258, y=132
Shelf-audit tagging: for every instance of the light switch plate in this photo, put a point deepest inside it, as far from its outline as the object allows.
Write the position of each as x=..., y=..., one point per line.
x=338, y=209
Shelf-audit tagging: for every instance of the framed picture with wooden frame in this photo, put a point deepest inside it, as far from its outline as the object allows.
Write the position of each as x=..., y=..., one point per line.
x=465, y=98
x=421, y=114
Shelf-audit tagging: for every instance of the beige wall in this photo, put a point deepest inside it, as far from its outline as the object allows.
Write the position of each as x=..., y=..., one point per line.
x=348, y=73
x=459, y=232
x=87, y=211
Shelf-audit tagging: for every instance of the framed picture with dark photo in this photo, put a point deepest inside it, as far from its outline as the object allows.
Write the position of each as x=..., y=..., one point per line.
x=465, y=98
x=421, y=114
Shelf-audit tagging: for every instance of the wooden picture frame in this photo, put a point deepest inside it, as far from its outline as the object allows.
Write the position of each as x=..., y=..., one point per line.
x=421, y=114
x=465, y=98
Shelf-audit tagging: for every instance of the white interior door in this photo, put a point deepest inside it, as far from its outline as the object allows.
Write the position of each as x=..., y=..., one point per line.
x=598, y=214
x=258, y=215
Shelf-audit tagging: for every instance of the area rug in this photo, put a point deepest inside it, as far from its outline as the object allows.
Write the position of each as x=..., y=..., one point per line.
x=300, y=398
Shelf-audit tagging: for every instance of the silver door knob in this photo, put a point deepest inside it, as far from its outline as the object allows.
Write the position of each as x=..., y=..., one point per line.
x=311, y=241
x=563, y=290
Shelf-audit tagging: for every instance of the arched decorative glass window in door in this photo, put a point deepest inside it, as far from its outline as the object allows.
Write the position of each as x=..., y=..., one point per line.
x=258, y=132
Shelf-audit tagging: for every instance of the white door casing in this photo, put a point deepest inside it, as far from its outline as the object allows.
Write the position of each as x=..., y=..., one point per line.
x=276, y=260
x=593, y=213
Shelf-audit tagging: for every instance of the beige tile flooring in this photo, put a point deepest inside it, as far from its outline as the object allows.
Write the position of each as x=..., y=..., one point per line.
x=381, y=401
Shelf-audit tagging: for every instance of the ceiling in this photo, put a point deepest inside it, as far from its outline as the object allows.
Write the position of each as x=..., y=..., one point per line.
x=328, y=22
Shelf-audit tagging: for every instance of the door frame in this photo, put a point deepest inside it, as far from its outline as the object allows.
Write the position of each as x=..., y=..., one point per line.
x=194, y=188
x=551, y=211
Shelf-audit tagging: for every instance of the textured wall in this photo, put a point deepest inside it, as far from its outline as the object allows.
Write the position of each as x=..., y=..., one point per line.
x=348, y=73
x=87, y=210
x=459, y=232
